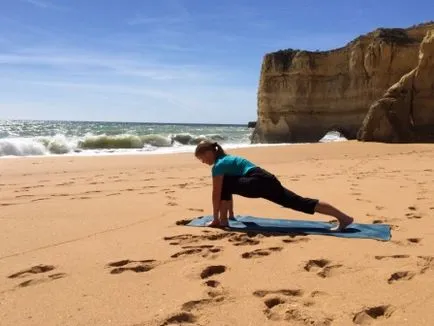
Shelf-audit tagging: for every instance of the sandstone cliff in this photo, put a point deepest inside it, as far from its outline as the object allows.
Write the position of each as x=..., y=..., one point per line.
x=302, y=95
x=405, y=113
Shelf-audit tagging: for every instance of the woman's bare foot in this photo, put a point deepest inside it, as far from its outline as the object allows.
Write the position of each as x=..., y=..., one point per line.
x=327, y=209
x=218, y=223
x=343, y=223
x=214, y=223
x=224, y=222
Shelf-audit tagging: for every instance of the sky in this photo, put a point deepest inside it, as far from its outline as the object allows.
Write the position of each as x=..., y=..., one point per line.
x=165, y=60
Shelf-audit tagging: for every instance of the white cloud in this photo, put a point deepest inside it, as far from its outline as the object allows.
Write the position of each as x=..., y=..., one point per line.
x=123, y=65
x=44, y=4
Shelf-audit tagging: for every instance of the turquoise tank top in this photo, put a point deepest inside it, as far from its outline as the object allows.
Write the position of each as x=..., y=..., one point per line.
x=231, y=165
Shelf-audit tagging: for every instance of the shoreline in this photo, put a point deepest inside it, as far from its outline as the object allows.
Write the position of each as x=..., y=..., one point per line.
x=131, y=152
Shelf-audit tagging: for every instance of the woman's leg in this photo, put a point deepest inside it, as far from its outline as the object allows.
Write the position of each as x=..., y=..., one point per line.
x=275, y=192
x=306, y=205
x=231, y=208
x=262, y=184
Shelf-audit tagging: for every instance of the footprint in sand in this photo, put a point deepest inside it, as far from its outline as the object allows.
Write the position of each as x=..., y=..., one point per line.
x=237, y=239
x=368, y=315
x=289, y=305
x=294, y=239
x=212, y=283
x=214, y=289
x=203, y=250
x=260, y=252
x=322, y=267
x=392, y=257
x=401, y=276
x=285, y=292
x=414, y=240
x=196, y=304
x=180, y=318
x=38, y=269
x=244, y=239
x=413, y=213
x=191, y=310
x=408, y=242
x=137, y=266
x=183, y=239
x=212, y=270
x=413, y=216
x=196, y=210
x=425, y=263
x=49, y=278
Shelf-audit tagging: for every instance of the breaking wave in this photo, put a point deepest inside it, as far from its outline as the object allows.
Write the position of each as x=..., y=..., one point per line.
x=333, y=136
x=60, y=144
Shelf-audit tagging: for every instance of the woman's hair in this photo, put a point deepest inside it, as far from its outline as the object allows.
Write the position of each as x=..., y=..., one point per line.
x=206, y=145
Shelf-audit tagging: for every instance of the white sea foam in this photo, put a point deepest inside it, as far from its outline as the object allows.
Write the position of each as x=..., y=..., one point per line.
x=22, y=147
x=333, y=136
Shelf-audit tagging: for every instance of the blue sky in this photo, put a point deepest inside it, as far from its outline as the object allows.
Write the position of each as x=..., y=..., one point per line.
x=165, y=60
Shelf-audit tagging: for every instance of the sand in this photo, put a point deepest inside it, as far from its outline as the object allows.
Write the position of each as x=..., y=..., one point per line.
x=95, y=241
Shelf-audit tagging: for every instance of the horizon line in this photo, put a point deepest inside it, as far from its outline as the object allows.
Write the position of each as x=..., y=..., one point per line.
x=133, y=122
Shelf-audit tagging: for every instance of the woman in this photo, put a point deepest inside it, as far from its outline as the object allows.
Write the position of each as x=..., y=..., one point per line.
x=235, y=175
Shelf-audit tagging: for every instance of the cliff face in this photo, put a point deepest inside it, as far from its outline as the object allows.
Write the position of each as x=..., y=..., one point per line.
x=405, y=113
x=302, y=95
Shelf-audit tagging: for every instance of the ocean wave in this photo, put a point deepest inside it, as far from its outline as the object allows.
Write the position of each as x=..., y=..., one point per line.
x=60, y=144
x=124, y=141
x=333, y=136
x=189, y=139
x=22, y=147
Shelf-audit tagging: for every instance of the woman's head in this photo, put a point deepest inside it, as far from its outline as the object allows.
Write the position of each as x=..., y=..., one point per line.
x=208, y=152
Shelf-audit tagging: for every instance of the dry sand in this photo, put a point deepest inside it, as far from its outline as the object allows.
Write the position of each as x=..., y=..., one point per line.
x=94, y=241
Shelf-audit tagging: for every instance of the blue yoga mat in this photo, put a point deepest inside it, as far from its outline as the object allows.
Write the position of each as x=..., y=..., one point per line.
x=259, y=224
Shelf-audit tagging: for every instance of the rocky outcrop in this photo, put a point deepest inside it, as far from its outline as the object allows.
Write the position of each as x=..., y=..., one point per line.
x=251, y=124
x=405, y=113
x=302, y=95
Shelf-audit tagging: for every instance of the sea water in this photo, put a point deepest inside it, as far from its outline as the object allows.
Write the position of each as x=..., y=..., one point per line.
x=30, y=138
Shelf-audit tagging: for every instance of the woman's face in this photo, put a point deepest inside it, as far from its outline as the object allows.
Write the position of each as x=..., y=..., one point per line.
x=207, y=157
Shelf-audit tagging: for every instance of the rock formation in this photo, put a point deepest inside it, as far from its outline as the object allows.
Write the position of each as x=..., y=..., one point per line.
x=302, y=95
x=405, y=113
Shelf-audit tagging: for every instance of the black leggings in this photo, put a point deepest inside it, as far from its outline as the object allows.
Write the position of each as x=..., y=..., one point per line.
x=259, y=183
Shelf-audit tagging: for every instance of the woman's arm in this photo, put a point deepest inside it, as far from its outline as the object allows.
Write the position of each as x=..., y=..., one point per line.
x=217, y=183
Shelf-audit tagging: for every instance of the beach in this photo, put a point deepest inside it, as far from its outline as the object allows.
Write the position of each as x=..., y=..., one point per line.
x=100, y=240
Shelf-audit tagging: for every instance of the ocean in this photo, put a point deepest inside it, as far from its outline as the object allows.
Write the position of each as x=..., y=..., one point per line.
x=36, y=138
